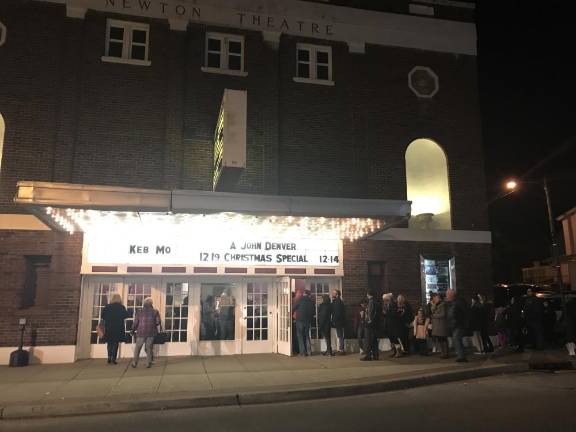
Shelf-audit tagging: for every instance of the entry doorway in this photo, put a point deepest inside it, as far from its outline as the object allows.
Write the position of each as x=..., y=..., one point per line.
x=236, y=316
x=211, y=316
x=96, y=294
x=317, y=287
x=203, y=316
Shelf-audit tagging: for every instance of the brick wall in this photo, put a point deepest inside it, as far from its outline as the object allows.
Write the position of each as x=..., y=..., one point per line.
x=53, y=320
x=72, y=117
x=402, y=268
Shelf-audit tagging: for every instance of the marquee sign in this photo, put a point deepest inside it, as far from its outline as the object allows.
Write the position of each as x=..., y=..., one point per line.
x=141, y=248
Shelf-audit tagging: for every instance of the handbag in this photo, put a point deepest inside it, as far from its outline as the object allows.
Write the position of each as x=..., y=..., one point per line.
x=160, y=338
x=100, y=330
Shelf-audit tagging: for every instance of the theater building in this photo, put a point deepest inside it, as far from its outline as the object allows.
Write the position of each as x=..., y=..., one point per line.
x=222, y=156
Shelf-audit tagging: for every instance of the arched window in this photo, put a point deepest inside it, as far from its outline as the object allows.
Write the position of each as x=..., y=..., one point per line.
x=2, y=127
x=427, y=185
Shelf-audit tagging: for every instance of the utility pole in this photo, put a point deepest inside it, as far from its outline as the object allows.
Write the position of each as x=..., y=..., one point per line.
x=555, y=251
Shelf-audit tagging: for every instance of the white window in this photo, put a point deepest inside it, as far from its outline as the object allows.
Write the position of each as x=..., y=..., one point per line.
x=314, y=64
x=127, y=42
x=224, y=54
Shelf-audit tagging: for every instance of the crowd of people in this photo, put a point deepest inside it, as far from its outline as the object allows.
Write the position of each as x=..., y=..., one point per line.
x=525, y=321
x=331, y=315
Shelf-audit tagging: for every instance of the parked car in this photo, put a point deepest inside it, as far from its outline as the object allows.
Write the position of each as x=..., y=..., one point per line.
x=502, y=293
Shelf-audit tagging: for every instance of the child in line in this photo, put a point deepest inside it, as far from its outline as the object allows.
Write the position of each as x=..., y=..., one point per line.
x=420, y=325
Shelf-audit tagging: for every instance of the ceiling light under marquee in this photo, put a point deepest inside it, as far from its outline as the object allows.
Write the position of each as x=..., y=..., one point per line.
x=211, y=225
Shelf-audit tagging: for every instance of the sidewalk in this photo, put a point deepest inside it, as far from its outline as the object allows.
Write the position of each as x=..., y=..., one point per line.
x=92, y=386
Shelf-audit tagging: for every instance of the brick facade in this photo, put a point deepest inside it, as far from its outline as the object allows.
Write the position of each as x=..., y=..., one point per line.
x=54, y=318
x=402, y=267
x=70, y=117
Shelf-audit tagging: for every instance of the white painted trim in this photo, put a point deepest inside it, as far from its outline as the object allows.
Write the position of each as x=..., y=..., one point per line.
x=312, y=62
x=43, y=354
x=75, y=12
x=271, y=38
x=126, y=61
x=332, y=22
x=450, y=3
x=178, y=24
x=225, y=39
x=357, y=47
x=127, y=42
x=25, y=222
x=418, y=9
x=434, y=77
x=223, y=71
x=119, y=198
x=314, y=81
x=444, y=236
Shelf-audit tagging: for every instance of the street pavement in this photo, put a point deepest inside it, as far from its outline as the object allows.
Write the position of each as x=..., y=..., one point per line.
x=530, y=402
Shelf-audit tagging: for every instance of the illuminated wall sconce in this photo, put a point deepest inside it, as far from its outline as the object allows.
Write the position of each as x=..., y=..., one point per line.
x=3, y=32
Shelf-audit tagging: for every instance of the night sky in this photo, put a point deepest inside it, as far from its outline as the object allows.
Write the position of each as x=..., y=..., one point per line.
x=528, y=96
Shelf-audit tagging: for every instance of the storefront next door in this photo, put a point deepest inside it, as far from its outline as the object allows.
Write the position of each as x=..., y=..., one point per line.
x=205, y=317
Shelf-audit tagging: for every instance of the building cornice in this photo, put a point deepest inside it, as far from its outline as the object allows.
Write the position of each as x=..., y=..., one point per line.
x=297, y=18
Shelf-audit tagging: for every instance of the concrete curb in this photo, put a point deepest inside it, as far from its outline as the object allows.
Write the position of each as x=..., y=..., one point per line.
x=254, y=398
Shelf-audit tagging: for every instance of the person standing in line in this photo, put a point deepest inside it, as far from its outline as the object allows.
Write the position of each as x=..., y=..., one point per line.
x=324, y=315
x=370, y=327
x=392, y=324
x=420, y=328
x=517, y=321
x=225, y=308
x=486, y=319
x=296, y=296
x=570, y=320
x=359, y=324
x=146, y=326
x=501, y=325
x=534, y=316
x=406, y=317
x=475, y=325
x=304, y=310
x=113, y=316
x=440, y=330
x=549, y=322
x=432, y=346
x=339, y=319
x=458, y=320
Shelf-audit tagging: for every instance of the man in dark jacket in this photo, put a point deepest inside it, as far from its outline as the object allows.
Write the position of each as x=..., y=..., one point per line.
x=534, y=316
x=324, y=323
x=370, y=326
x=304, y=316
x=458, y=321
x=338, y=318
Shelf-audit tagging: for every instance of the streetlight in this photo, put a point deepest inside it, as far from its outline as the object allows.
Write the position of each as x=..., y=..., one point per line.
x=512, y=185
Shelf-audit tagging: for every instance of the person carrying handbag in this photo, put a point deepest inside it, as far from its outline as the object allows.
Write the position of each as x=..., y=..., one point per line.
x=146, y=326
x=111, y=328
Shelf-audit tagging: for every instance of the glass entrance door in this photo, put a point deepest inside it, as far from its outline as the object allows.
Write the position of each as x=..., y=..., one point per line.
x=96, y=294
x=174, y=309
x=257, y=319
x=135, y=291
x=284, y=317
x=219, y=329
x=317, y=287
